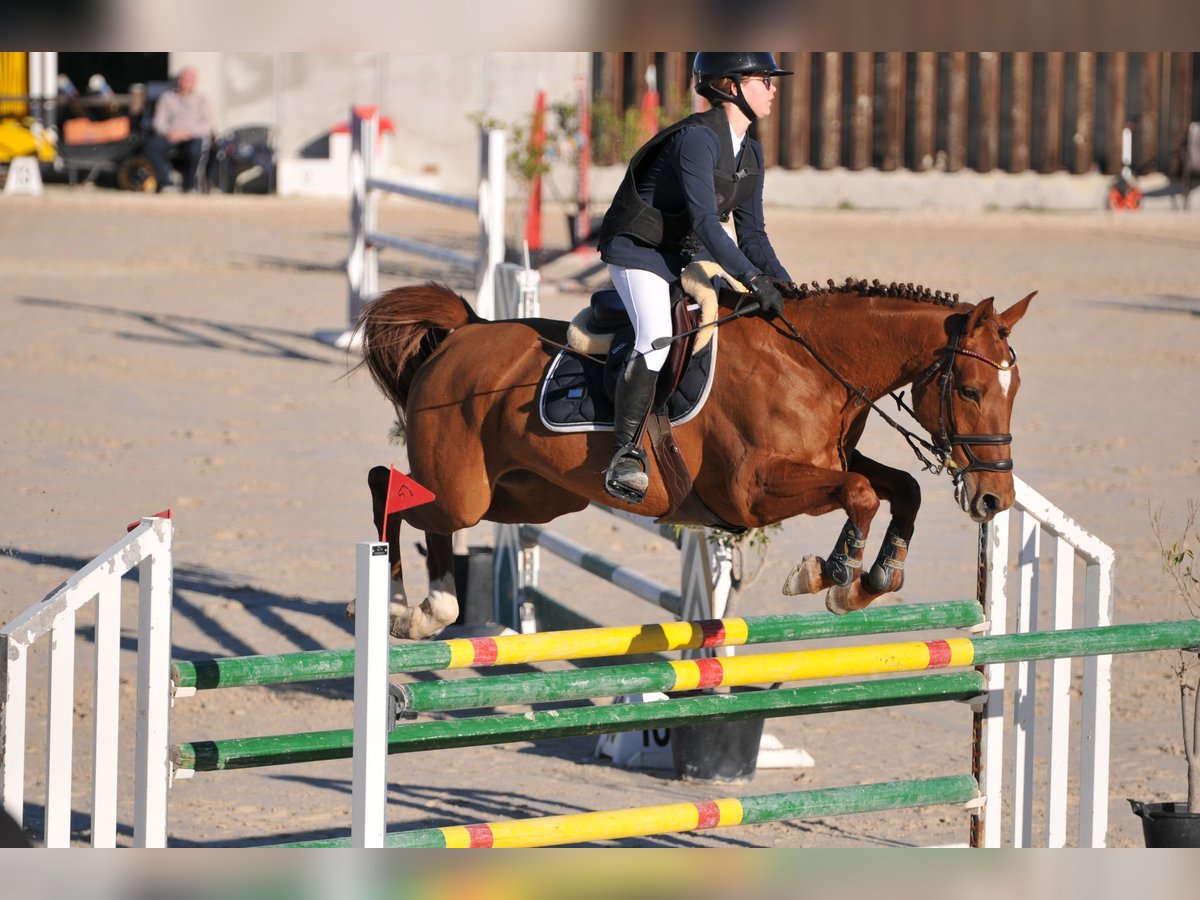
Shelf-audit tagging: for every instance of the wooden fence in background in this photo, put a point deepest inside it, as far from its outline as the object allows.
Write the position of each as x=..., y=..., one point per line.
x=1016, y=112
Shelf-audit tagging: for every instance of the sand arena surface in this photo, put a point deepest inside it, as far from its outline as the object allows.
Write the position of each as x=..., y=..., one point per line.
x=157, y=352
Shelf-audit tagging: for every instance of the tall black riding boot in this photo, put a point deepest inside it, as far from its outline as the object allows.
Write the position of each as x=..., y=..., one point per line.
x=627, y=478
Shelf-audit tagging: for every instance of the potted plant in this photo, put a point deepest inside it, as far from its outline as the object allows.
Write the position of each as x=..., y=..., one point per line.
x=1178, y=824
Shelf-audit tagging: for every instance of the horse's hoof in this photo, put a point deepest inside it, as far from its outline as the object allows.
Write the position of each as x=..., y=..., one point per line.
x=414, y=623
x=840, y=600
x=399, y=624
x=837, y=600
x=806, y=578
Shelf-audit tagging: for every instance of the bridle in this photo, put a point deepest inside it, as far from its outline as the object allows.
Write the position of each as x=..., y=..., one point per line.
x=947, y=436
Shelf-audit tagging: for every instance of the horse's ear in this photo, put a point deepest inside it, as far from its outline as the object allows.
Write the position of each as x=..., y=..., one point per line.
x=983, y=311
x=1013, y=314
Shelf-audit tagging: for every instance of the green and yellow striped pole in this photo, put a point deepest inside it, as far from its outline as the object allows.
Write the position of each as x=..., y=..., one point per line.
x=676, y=818
x=798, y=665
x=584, y=643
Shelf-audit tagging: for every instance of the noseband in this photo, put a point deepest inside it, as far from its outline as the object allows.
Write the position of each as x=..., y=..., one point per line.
x=947, y=436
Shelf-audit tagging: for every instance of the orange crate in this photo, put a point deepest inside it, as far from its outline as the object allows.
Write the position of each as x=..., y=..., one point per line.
x=85, y=131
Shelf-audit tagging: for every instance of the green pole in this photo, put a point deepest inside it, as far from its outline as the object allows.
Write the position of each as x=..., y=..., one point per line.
x=239, y=753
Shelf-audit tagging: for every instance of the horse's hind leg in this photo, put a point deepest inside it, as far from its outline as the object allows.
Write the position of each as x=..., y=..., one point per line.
x=377, y=481
x=440, y=607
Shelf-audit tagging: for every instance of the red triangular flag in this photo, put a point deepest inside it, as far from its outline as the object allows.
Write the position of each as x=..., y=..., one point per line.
x=165, y=514
x=402, y=493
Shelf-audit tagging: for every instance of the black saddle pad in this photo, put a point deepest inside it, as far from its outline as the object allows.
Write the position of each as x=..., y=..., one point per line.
x=573, y=396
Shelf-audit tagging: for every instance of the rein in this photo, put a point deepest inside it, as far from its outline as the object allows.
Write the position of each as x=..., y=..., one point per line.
x=915, y=442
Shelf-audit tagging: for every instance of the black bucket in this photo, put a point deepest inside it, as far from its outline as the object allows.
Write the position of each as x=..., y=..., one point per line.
x=1168, y=824
x=722, y=751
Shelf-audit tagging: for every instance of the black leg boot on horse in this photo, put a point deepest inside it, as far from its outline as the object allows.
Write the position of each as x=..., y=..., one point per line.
x=628, y=476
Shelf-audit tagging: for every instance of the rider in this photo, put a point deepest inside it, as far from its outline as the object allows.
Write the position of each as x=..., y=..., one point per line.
x=678, y=189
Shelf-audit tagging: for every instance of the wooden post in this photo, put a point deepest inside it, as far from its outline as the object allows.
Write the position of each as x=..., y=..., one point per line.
x=674, y=84
x=864, y=110
x=612, y=93
x=797, y=150
x=1180, y=113
x=893, y=150
x=989, y=111
x=767, y=131
x=1052, y=114
x=956, y=150
x=1118, y=107
x=831, y=111
x=641, y=61
x=925, y=138
x=1022, y=104
x=1146, y=157
x=1085, y=118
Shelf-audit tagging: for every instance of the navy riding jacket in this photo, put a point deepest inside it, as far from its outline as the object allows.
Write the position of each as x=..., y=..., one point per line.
x=680, y=178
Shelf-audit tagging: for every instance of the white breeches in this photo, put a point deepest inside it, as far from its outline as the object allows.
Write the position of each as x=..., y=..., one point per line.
x=647, y=299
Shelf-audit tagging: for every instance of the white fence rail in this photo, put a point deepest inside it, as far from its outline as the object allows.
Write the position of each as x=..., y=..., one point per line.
x=1039, y=527
x=148, y=549
x=362, y=264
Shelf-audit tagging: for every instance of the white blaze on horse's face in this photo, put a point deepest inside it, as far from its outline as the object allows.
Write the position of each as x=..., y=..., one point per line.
x=1005, y=381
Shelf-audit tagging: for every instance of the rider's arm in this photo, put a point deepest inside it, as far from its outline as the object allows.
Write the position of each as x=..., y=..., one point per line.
x=750, y=225
x=698, y=152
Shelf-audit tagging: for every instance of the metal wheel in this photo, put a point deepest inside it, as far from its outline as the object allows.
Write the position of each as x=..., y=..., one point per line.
x=136, y=174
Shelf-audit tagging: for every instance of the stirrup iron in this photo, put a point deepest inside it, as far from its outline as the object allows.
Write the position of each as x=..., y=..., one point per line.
x=621, y=489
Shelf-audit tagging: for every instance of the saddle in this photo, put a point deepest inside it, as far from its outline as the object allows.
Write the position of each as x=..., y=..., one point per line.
x=602, y=329
x=598, y=330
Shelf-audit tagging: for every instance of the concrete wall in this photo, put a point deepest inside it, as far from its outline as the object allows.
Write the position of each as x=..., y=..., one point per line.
x=429, y=96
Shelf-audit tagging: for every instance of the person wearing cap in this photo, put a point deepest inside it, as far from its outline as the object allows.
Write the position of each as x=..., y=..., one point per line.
x=679, y=187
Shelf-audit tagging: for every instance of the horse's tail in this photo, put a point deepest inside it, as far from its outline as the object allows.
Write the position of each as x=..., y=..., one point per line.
x=401, y=329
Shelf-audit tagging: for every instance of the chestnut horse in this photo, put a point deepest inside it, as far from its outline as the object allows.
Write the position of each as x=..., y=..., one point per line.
x=776, y=437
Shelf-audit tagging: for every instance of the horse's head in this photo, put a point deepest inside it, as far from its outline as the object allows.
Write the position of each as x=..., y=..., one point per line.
x=965, y=401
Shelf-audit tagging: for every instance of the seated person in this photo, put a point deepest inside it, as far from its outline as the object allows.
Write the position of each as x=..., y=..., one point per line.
x=183, y=121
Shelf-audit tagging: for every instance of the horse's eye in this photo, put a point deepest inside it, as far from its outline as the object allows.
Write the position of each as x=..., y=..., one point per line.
x=969, y=393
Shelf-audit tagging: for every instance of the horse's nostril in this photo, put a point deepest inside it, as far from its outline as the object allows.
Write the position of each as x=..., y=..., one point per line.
x=991, y=502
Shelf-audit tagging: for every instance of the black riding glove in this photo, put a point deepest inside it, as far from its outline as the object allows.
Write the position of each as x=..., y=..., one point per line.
x=770, y=301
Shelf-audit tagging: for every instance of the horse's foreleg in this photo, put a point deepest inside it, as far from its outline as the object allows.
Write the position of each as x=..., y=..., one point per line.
x=903, y=494
x=788, y=487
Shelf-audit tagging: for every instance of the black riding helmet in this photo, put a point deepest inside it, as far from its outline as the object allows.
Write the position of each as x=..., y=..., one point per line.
x=709, y=67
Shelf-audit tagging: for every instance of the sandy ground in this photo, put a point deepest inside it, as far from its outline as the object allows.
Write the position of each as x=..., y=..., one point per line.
x=159, y=352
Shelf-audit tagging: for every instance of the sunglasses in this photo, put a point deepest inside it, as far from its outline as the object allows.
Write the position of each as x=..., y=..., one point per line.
x=765, y=79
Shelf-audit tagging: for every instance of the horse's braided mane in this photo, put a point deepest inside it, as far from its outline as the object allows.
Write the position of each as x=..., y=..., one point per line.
x=860, y=287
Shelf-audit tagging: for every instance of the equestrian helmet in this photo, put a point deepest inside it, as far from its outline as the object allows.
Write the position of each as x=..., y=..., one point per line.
x=708, y=67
